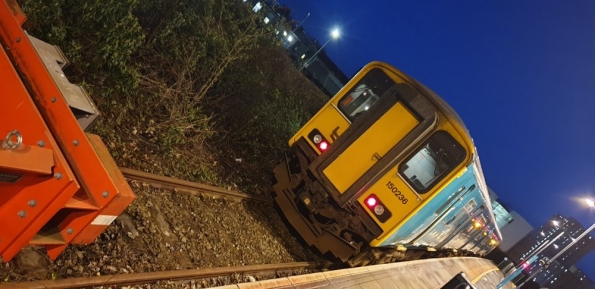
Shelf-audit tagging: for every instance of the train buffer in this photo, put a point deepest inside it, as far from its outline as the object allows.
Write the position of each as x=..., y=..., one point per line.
x=58, y=184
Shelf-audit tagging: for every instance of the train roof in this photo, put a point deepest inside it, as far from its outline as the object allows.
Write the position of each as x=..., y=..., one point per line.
x=483, y=188
x=440, y=103
x=445, y=108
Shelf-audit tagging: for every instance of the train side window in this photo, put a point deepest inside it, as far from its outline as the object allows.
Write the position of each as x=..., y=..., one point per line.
x=432, y=161
x=365, y=93
x=470, y=206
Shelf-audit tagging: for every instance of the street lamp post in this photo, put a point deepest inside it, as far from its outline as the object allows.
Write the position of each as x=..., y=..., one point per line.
x=334, y=35
x=302, y=22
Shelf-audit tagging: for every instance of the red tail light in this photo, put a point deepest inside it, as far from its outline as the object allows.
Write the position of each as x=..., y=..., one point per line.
x=323, y=146
x=377, y=207
x=371, y=202
x=318, y=140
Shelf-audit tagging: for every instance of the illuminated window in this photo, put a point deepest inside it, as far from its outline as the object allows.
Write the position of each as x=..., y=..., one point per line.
x=257, y=7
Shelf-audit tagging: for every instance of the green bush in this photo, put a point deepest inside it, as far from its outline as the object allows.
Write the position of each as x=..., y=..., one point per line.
x=185, y=87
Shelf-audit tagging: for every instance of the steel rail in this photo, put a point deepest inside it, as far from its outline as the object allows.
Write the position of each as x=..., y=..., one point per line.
x=152, y=277
x=173, y=184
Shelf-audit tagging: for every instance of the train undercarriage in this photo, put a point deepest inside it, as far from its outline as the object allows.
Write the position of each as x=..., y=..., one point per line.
x=344, y=232
x=306, y=206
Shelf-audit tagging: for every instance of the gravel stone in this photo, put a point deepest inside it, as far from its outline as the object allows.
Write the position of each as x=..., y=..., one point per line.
x=162, y=230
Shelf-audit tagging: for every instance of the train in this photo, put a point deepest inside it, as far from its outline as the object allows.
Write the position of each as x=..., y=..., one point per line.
x=384, y=169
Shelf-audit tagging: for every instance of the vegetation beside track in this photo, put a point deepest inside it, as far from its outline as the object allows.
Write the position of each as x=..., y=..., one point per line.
x=200, y=90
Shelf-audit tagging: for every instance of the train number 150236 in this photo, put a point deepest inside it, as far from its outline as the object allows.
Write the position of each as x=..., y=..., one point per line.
x=396, y=192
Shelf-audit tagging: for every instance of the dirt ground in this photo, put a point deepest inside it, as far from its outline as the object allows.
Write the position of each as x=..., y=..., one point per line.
x=166, y=231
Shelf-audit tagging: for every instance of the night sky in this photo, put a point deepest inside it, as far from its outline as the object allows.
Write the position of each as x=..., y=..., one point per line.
x=521, y=74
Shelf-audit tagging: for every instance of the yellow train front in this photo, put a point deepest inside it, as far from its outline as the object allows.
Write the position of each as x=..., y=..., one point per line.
x=384, y=163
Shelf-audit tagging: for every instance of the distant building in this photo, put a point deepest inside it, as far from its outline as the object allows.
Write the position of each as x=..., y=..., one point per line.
x=306, y=52
x=512, y=225
x=514, y=231
x=558, y=276
x=550, y=241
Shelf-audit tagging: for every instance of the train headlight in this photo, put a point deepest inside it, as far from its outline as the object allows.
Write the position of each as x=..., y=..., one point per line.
x=317, y=139
x=379, y=210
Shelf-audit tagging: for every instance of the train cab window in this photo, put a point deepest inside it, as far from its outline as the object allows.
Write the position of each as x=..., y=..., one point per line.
x=432, y=161
x=365, y=93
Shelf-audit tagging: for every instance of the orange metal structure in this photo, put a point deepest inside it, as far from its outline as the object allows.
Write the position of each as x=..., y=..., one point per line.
x=58, y=184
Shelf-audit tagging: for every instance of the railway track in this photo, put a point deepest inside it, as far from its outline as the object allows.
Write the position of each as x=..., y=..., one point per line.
x=181, y=186
x=177, y=185
x=153, y=277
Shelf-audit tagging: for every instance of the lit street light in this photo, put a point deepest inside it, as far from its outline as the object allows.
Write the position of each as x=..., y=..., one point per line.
x=334, y=35
x=590, y=202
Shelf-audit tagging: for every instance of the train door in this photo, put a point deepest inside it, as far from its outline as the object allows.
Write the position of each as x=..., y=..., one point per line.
x=412, y=180
x=387, y=116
